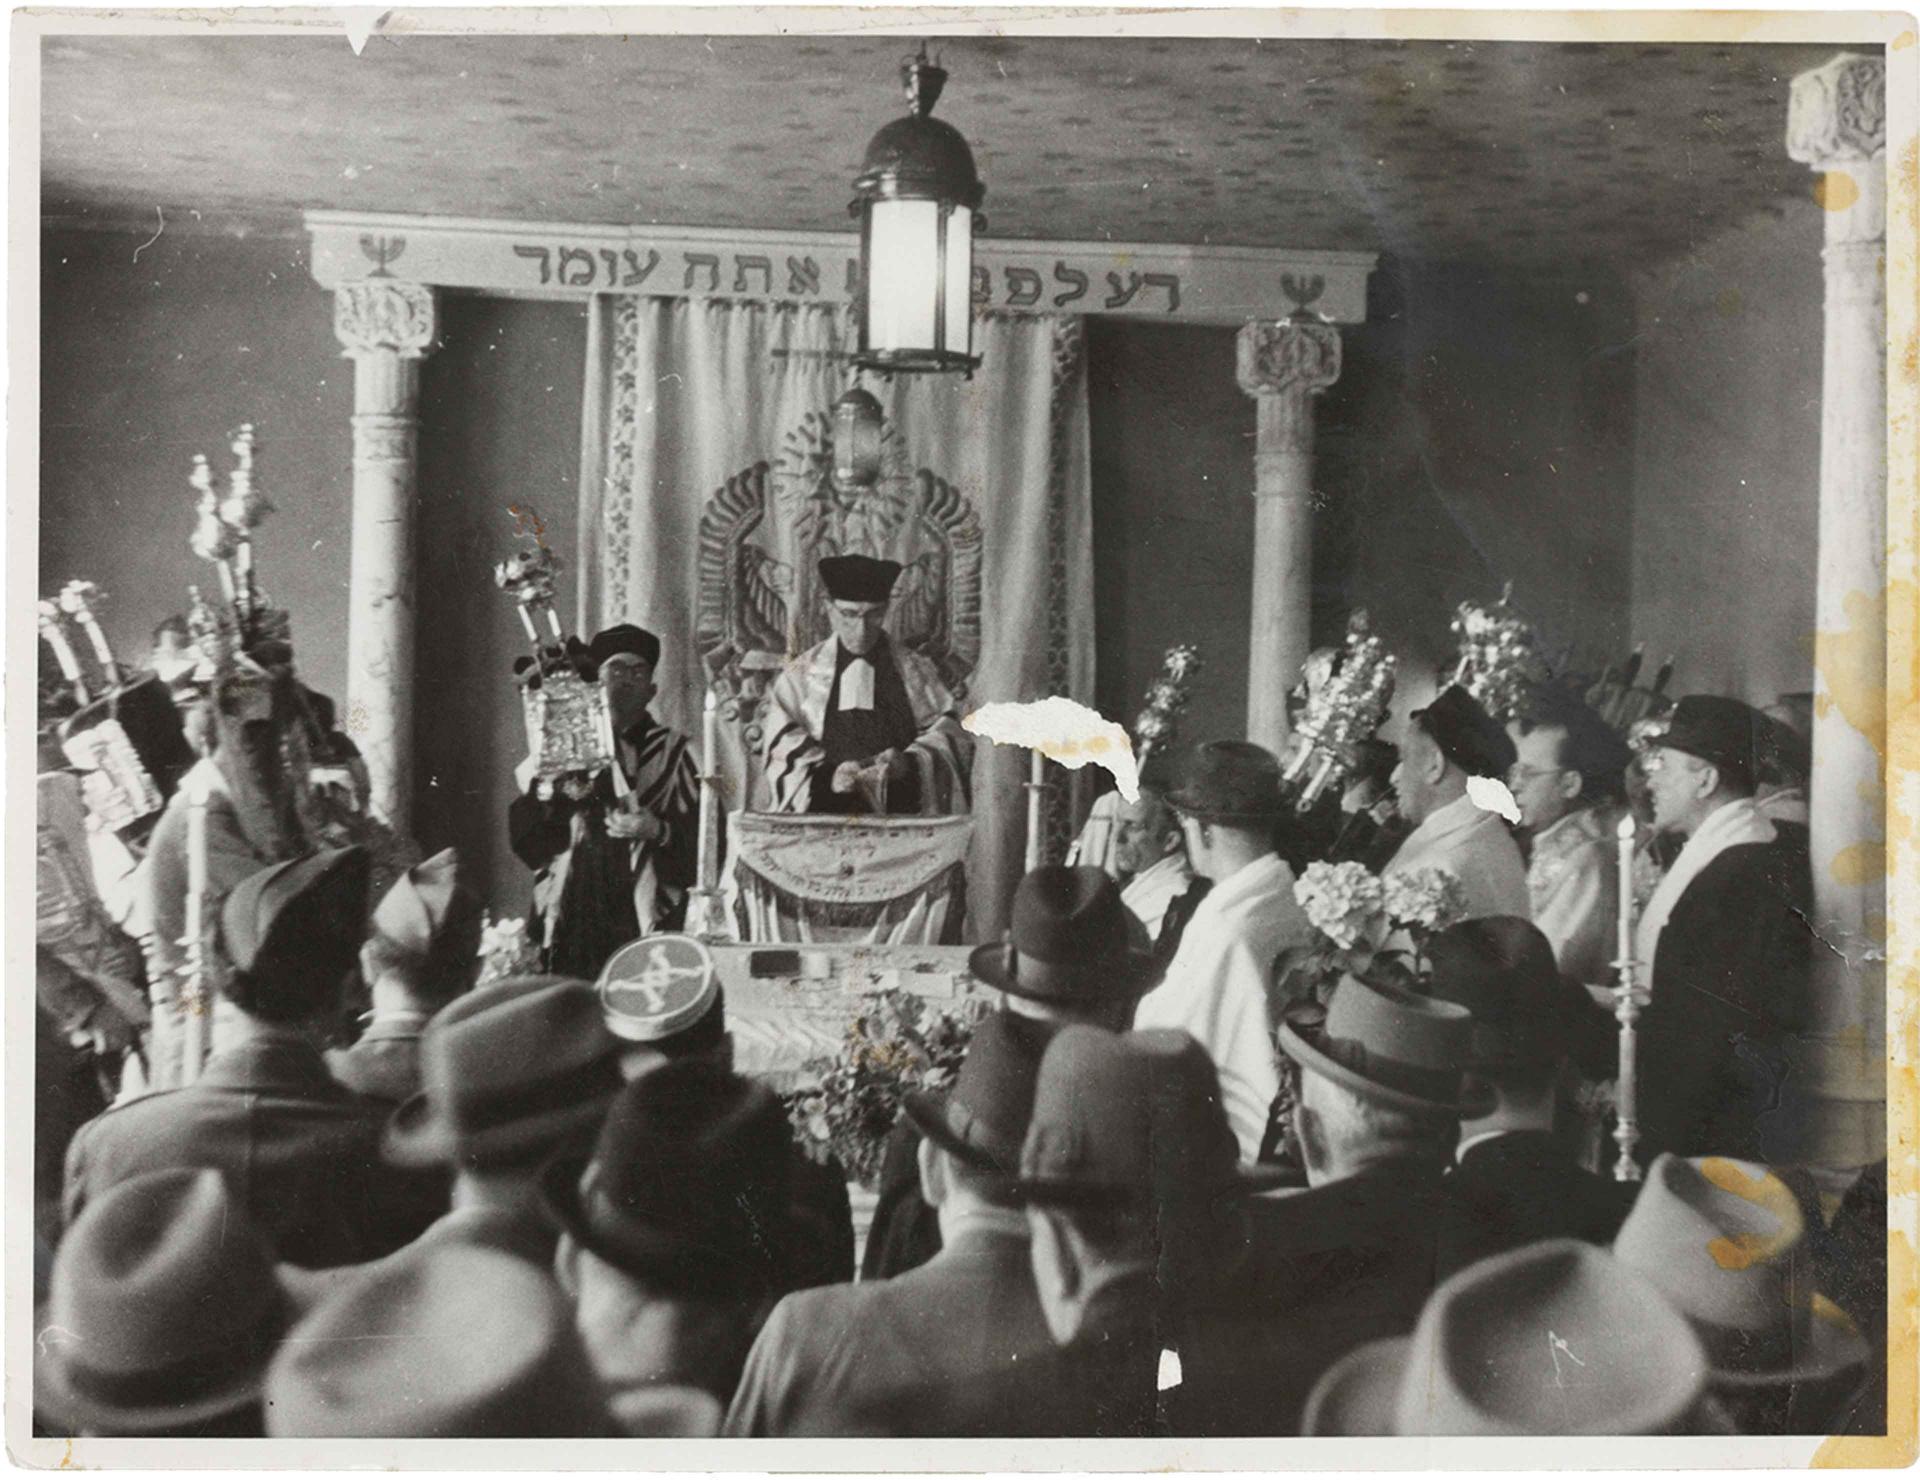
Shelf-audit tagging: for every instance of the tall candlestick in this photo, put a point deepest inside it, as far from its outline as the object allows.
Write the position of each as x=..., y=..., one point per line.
x=196, y=1010
x=709, y=789
x=1625, y=833
x=1626, y=1011
x=1036, y=785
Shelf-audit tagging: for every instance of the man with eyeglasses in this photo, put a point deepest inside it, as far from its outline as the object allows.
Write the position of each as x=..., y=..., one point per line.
x=1568, y=785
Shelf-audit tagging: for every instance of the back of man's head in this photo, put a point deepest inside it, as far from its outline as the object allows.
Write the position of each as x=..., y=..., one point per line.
x=290, y=933
x=425, y=935
x=1344, y=1132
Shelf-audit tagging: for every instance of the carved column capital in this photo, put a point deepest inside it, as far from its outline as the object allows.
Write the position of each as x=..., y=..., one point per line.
x=1837, y=113
x=392, y=317
x=1275, y=356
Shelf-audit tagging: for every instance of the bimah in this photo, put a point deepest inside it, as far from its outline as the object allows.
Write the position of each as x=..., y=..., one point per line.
x=866, y=880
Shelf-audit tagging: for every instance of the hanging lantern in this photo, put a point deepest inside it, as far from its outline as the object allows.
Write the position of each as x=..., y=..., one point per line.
x=856, y=439
x=918, y=200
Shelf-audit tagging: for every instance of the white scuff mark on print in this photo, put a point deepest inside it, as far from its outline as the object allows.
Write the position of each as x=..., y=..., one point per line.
x=361, y=22
x=1491, y=795
x=1064, y=731
x=1169, y=1369
x=162, y=215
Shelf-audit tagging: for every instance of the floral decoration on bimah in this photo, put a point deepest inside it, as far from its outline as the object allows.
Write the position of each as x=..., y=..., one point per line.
x=506, y=951
x=1500, y=659
x=1343, y=695
x=1368, y=926
x=569, y=728
x=899, y=1043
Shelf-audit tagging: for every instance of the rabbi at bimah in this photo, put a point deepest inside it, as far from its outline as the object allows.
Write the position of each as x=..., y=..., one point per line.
x=858, y=725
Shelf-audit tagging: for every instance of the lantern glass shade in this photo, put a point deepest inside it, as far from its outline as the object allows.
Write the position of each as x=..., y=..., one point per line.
x=918, y=280
x=918, y=199
x=857, y=421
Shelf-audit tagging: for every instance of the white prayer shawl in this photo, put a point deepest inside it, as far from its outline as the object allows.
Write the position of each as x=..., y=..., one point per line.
x=1219, y=987
x=1149, y=892
x=1573, y=882
x=1737, y=823
x=797, y=717
x=1474, y=846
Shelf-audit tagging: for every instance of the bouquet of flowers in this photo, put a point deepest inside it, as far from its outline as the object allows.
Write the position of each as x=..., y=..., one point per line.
x=505, y=951
x=1368, y=926
x=899, y=1043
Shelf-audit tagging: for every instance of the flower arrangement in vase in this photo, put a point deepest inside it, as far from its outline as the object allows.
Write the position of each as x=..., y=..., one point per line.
x=898, y=1043
x=1368, y=926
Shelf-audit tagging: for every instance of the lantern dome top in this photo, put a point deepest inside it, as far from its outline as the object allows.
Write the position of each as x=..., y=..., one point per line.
x=920, y=156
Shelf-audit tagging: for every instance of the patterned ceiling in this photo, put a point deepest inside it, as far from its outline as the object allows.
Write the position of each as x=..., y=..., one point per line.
x=1533, y=153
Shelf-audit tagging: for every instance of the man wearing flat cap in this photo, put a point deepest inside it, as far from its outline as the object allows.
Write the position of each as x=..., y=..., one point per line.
x=300, y=1152
x=857, y=724
x=617, y=863
x=1724, y=940
x=422, y=951
x=1450, y=740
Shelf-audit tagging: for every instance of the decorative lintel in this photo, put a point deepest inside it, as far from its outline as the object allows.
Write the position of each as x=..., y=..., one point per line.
x=1210, y=285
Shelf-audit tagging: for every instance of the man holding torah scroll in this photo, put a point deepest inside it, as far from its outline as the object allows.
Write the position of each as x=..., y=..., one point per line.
x=613, y=858
x=857, y=725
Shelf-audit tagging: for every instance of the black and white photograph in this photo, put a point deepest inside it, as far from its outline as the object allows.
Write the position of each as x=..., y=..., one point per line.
x=1121, y=735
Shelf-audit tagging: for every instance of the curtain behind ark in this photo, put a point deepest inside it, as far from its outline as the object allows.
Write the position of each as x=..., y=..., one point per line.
x=683, y=397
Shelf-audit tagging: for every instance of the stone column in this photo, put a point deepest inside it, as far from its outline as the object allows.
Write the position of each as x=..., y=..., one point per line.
x=1836, y=124
x=385, y=327
x=1283, y=364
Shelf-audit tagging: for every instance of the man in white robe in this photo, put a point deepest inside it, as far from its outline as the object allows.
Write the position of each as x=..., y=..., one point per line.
x=1219, y=985
x=1450, y=740
x=859, y=725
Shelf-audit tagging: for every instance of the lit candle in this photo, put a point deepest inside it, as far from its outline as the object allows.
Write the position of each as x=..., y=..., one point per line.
x=1625, y=834
x=1036, y=779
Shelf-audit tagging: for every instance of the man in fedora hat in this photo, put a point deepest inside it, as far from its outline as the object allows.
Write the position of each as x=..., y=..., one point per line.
x=1134, y=1189
x=1383, y=1089
x=958, y=1347
x=1514, y=1180
x=675, y=1239
x=300, y=1151
x=1067, y=959
x=446, y=1342
x=663, y=1000
x=1566, y=1341
x=163, y=1310
x=1450, y=740
x=513, y=1073
x=1726, y=1243
x=1724, y=941
x=1219, y=983
x=422, y=951
x=858, y=723
x=616, y=863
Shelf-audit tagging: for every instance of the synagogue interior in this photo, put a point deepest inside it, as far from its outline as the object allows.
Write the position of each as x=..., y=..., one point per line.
x=563, y=510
